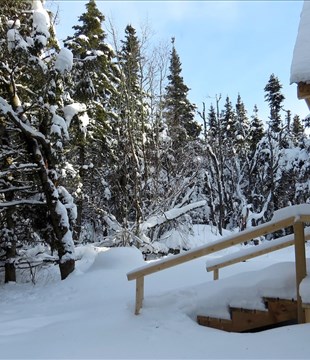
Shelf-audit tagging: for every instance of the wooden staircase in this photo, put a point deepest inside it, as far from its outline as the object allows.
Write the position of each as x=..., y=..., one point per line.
x=278, y=312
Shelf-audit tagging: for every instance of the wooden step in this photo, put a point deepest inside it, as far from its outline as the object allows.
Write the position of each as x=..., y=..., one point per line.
x=248, y=319
x=278, y=311
x=282, y=309
x=215, y=323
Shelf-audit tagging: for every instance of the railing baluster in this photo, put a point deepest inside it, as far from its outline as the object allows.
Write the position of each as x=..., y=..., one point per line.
x=139, y=294
x=216, y=274
x=300, y=265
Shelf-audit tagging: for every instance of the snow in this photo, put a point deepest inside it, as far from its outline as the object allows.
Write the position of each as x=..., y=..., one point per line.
x=14, y=24
x=15, y=40
x=84, y=122
x=59, y=126
x=289, y=211
x=64, y=60
x=170, y=215
x=291, y=158
x=73, y=109
x=6, y=108
x=68, y=202
x=305, y=290
x=77, y=109
x=40, y=22
x=300, y=67
x=83, y=37
x=90, y=315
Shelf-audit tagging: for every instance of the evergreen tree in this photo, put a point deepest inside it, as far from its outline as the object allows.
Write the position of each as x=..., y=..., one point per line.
x=298, y=131
x=242, y=126
x=130, y=170
x=256, y=131
x=275, y=98
x=228, y=123
x=178, y=111
x=31, y=109
x=94, y=81
x=95, y=74
x=213, y=122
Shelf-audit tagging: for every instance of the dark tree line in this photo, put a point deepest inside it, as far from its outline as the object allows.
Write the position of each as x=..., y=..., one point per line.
x=101, y=144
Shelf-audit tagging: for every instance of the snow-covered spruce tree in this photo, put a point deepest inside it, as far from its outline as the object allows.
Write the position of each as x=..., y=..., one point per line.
x=214, y=128
x=232, y=157
x=10, y=141
x=178, y=147
x=298, y=131
x=214, y=165
x=256, y=131
x=130, y=168
x=275, y=98
x=178, y=111
x=94, y=76
x=253, y=175
x=266, y=171
x=226, y=166
x=242, y=128
x=179, y=158
x=31, y=104
x=229, y=125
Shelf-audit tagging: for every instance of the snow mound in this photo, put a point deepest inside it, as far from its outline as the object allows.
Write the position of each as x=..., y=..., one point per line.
x=117, y=258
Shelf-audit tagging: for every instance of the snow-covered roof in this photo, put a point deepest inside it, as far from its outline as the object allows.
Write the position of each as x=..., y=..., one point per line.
x=300, y=67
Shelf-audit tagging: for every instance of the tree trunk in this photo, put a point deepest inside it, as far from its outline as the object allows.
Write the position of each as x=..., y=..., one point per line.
x=59, y=217
x=10, y=271
x=80, y=200
x=9, y=267
x=43, y=155
x=66, y=268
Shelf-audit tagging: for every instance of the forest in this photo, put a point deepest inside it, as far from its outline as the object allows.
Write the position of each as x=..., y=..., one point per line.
x=99, y=143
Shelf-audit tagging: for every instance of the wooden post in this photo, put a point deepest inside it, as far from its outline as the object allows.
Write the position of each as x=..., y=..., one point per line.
x=139, y=294
x=307, y=312
x=216, y=274
x=300, y=265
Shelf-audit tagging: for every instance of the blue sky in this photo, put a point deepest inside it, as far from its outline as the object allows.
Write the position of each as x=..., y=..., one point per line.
x=226, y=47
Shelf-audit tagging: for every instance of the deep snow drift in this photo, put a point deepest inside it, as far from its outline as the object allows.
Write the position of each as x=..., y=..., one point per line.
x=91, y=314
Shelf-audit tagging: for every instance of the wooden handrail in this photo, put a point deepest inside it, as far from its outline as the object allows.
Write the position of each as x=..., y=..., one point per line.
x=299, y=214
x=250, y=253
x=207, y=249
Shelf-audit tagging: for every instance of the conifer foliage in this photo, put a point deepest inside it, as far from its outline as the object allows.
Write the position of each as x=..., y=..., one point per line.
x=275, y=98
x=97, y=144
x=178, y=110
x=31, y=113
x=94, y=79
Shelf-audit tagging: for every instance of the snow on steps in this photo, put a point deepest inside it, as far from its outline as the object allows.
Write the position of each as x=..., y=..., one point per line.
x=278, y=312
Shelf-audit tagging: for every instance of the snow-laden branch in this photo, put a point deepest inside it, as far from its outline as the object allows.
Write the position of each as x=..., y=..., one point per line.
x=20, y=203
x=170, y=215
x=6, y=109
x=22, y=167
x=261, y=214
x=15, y=188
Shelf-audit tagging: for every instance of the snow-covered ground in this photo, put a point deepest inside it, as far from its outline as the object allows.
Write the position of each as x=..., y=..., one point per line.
x=91, y=314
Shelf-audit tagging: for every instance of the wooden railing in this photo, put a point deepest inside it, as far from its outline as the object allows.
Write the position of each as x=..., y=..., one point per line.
x=252, y=252
x=295, y=216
